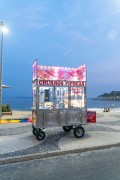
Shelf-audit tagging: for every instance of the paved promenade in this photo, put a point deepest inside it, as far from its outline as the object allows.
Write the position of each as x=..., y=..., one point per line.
x=17, y=143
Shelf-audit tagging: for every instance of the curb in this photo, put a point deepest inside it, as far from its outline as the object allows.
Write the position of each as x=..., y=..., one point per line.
x=15, y=120
x=54, y=154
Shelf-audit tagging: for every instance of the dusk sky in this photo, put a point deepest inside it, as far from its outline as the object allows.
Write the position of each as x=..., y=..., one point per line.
x=66, y=33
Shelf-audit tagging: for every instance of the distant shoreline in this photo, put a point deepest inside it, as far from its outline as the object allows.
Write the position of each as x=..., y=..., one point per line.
x=113, y=96
x=105, y=99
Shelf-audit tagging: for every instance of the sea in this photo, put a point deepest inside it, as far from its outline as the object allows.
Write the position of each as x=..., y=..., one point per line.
x=25, y=103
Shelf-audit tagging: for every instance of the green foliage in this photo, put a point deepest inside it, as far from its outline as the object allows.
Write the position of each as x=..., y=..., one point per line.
x=6, y=108
x=3, y=108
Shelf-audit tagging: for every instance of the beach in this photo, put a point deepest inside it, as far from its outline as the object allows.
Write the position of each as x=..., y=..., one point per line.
x=28, y=114
x=18, y=115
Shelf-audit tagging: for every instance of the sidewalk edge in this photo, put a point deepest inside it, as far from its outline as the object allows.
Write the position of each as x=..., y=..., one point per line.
x=53, y=154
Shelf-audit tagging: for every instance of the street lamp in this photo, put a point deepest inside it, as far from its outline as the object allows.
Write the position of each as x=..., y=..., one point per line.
x=114, y=100
x=2, y=29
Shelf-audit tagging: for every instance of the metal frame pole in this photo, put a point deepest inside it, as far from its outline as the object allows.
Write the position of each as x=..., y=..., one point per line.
x=1, y=64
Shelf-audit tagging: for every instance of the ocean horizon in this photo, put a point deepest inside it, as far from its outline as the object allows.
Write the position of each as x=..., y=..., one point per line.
x=25, y=103
x=18, y=103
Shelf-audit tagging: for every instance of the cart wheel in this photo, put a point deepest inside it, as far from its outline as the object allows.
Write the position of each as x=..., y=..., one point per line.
x=67, y=128
x=79, y=132
x=34, y=131
x=40, y=135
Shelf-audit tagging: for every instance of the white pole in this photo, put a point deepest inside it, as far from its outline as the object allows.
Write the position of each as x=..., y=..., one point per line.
x=1, y=63
x=114, y=100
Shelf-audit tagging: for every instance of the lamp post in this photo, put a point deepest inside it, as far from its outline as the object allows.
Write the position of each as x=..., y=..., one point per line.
x=114, y=100
x=1, y=63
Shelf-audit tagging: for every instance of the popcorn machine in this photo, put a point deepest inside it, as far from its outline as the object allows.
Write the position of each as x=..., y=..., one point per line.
x=59, y=99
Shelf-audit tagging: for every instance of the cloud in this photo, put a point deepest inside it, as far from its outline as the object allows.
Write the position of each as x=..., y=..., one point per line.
x=38, y=25
x=72, y=9
x=29, y=16
x=78, y=37
x=105, y=18
x=112, y=35
x=70, y=16
x=66, y=50
x=70, y=22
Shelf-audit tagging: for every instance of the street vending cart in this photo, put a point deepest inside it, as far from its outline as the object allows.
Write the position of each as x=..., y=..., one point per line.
x=59, y=99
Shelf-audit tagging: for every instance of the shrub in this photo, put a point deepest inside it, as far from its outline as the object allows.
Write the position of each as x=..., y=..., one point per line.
x=3, y=108
x=6, y=108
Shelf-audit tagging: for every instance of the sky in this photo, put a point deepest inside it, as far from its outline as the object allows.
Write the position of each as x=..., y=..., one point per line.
x=66, y=33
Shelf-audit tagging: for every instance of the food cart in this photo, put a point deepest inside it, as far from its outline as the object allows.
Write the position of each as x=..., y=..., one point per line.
x=59, y=99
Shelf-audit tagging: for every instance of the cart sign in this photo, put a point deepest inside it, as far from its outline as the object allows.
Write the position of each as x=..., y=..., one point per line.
x=76, y=90
x=60, y=83
x=62, y=73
